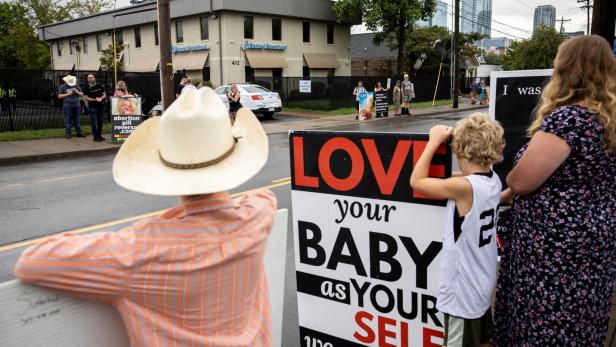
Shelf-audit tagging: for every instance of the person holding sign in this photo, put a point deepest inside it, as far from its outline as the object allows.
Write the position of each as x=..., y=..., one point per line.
x=356, y=92
x=193, y=275
x=557, y=273
x=469, y=255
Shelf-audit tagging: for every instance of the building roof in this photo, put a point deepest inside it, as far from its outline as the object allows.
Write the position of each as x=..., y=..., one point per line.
x=321, y=10
x=362, y=47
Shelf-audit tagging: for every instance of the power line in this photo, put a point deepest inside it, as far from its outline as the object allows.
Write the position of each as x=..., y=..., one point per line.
x=562, y=20
x=523, y=4
x=495, y=21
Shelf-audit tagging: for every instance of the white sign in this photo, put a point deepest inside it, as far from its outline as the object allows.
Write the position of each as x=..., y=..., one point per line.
x=305, y=86
x=388, y=83
x=366, y=246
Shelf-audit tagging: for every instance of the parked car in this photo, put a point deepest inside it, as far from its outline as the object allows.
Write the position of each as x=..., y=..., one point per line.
x=258, y=99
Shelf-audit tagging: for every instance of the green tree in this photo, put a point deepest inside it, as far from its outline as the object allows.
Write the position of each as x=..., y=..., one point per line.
x=391, y=20
x=19, y=45
x=107, y=57
x=492, y=59
x=536, y=53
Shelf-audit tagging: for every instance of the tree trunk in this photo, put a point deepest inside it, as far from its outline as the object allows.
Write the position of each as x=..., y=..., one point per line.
x=401, y=41
x=604, y=19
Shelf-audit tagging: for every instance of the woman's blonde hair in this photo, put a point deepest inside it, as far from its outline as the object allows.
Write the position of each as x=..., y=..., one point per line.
x=584, y=70
x=479, y=140
x=119, y=84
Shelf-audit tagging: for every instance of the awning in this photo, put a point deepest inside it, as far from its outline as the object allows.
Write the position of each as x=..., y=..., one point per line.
x=147, y=63
x=90, y=65
x=266, y=59
x=321, y=61
x=190, y=60
x=63, y=65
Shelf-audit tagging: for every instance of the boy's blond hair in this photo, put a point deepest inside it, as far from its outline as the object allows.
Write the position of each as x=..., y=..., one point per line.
x=479, y=140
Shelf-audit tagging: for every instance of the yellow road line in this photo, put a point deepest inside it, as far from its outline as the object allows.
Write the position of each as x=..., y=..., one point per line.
x=26, y=183
x=119, y=221
x=281, y=179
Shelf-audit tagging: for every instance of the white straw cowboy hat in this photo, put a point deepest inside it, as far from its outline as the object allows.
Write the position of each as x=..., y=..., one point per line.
x=70, y=80
x=192, y=149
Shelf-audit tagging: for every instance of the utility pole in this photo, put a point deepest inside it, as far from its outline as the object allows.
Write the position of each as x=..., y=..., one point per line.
x=562, y=20
x=456, y=58
x=166, y=68
x=588, y=6
x=604, y=19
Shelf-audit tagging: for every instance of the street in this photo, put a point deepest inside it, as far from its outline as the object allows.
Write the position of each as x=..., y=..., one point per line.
x=45, y=198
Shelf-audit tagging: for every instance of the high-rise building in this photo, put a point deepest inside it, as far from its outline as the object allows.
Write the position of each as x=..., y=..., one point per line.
x=439, y=18
x=544, y=15
x=476, y=16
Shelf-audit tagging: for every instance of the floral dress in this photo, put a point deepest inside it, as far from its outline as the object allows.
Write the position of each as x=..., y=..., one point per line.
x=557, y=273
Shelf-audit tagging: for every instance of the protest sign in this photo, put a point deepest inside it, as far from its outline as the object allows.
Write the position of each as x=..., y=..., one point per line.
x=125, y=117
x=366, y=245
x=381, y=101
x=305, y=86
x=515, y=94
x=366, y=105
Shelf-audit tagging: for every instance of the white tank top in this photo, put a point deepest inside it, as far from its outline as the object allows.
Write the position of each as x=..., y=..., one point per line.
x=468, y=263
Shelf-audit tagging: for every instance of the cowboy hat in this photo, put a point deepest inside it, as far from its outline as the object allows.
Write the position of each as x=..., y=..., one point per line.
x=70, y=80
x=192, y=149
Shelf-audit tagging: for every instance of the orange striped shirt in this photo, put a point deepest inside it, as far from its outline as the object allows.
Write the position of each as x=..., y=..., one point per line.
x=192, y=276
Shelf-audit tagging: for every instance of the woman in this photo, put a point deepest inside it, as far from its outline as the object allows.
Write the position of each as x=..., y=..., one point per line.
x=357, y=91
x=234, y=102
x=121, y=89
x=408, y=93
x=557, y=274
x=379, y=87
x=484, y=93
x=397, y=94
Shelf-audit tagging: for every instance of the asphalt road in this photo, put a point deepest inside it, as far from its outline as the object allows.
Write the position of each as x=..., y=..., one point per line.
x=45, y=198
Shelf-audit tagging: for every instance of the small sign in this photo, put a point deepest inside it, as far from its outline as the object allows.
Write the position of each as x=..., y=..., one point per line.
x=381, y=101
x=388, y=83
x=189, y=48
x=367, y=246
x=305, y=86
x=125, y=117
x=269, y=46
x=366, y=105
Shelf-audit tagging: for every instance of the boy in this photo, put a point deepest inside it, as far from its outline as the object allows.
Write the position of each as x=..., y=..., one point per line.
x=468, y=263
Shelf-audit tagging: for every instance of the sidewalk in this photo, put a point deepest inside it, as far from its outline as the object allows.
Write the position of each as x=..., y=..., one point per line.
x=23, y=151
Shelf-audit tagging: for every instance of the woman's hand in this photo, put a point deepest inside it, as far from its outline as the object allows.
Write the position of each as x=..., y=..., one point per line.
x=440, y=133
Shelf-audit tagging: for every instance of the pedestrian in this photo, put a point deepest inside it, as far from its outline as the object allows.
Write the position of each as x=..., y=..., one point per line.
x=359, y=89
x=397, y=98
x=484, y=93
x=469, y=254
x=180, y=86
x=557, y=273
x=94, y=95
x=198, y=84
x=70, y=94
x=474, y=88
x=122, y=90
x=193, y=275
x=379, y=88
x=234, y=101
x=408, y=93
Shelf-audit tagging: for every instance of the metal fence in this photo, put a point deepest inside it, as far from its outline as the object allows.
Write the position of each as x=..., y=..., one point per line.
x=28, y=102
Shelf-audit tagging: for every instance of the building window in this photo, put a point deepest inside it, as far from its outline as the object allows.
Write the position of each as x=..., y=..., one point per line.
x=306, y=72
x=137, y=37
x=330, y=34
x=306, y=31
x=179, y=31
x=71, y=47
x=276, y=29
x=206, y=75
x=249, y=74
x=155, y=34
x=85, y=44
x=99, y=43
x=205, y=28
x=248, y=27
x=59, y=48
x=119, y=38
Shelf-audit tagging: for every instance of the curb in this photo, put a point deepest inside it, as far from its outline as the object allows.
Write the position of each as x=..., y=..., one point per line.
x=59, y=155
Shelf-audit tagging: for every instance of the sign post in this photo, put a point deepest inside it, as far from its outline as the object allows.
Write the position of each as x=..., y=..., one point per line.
x=513, y=97
x=126, y=116
x=366, y=245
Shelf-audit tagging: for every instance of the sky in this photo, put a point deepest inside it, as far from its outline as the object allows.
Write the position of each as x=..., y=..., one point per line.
x=512, y=18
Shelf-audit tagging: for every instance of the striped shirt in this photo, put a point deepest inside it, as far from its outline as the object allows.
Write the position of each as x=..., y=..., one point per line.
x=192, y=276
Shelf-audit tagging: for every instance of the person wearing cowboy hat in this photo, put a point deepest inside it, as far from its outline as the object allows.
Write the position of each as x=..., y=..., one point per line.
x=70, y=94
x=193, y=275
